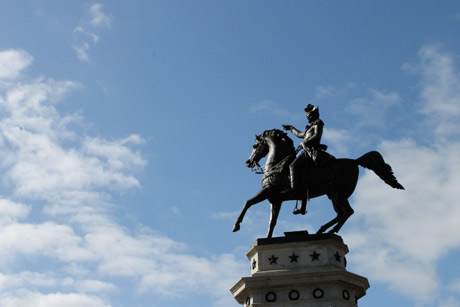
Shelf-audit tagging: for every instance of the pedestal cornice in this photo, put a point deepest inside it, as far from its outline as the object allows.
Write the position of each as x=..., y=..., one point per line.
x=299, y=270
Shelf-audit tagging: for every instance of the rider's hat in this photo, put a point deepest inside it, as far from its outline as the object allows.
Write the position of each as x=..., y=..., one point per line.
x=311, y=108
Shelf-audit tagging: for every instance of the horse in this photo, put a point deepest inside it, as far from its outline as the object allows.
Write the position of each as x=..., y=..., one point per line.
x=336, y=178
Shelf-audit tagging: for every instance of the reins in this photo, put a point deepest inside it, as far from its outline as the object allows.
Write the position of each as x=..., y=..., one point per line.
x=260, y=169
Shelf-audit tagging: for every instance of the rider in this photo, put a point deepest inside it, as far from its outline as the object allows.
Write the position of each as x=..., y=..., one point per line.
x=311, y=145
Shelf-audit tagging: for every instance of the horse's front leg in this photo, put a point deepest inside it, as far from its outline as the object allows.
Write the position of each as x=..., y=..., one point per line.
x=275, y=210
x=261, y=196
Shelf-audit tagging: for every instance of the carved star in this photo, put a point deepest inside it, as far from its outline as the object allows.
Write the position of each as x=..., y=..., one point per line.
x=273, y=259
x=254, y=263
x=315, y=256
x=293, y=257
x=337, y=257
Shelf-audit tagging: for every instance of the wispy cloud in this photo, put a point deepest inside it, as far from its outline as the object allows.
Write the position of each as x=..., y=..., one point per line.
x=372, y=108
x=85, y=31
x=329, y=91
x=81, y=51
x=408, y=232
x=440, y=90
x=339, y=140
x=269, y=107
x=97, y=17
x=60, y=211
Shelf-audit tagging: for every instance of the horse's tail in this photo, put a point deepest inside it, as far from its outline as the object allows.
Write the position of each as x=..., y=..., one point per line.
x=374, y=161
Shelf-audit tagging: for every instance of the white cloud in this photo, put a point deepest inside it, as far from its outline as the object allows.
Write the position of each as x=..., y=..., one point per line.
x=58, y=221
x=450, y=302
x=338, y=140
x=97, y=17
x=32, y=299
x=15, y=291
x=160, y=263
x=440, y=94
x=10, y=210
x=85, y=31
x=176, y=210
x=81, y=51
x=216, y=275
x=21, y=279
x=13, y=62
x=114, y=154
x=46, y=239
x=324, y=92
x=269, y=107
x=94, y=286
x=39, y=165
x=372, y=108
x=408, y=232
x=455, y=286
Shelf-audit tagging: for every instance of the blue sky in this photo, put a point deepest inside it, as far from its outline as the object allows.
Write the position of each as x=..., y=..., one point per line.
x=124, y=127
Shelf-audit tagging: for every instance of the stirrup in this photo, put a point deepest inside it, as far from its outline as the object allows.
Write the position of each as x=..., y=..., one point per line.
x=299, y=210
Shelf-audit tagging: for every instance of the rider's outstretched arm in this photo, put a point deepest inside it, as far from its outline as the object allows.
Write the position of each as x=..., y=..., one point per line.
x=296, y=132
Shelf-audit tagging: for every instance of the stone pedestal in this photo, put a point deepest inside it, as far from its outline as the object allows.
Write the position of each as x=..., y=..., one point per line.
x=300, y=270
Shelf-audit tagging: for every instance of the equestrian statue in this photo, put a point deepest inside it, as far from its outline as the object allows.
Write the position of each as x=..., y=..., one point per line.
x=312, y=173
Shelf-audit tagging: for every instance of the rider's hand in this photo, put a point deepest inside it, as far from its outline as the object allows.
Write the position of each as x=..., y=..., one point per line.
x=287, y=127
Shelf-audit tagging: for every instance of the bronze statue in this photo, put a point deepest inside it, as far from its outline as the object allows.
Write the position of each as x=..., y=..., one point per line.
x=336, y=178
x=312, y=151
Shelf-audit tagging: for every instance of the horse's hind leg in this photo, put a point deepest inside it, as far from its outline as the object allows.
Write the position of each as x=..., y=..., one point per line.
x=346, y=212
x=261, y=196
x=328, y=224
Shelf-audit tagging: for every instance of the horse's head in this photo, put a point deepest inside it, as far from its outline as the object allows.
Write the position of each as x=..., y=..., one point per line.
x=273, y=142
x=260, y=150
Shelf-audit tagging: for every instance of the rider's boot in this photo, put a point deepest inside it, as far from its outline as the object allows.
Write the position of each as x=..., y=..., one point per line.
x=293, y=181
x=295, y=187
x=303, y=208
x=303, y=202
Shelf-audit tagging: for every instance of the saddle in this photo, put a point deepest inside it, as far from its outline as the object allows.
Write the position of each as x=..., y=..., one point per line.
x=318, y=172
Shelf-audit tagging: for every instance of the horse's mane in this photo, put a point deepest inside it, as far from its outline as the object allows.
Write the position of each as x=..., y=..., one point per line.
x=280, y=135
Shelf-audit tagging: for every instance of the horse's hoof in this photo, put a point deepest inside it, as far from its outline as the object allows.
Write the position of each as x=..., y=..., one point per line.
x=236, y=227
x=299, y=211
